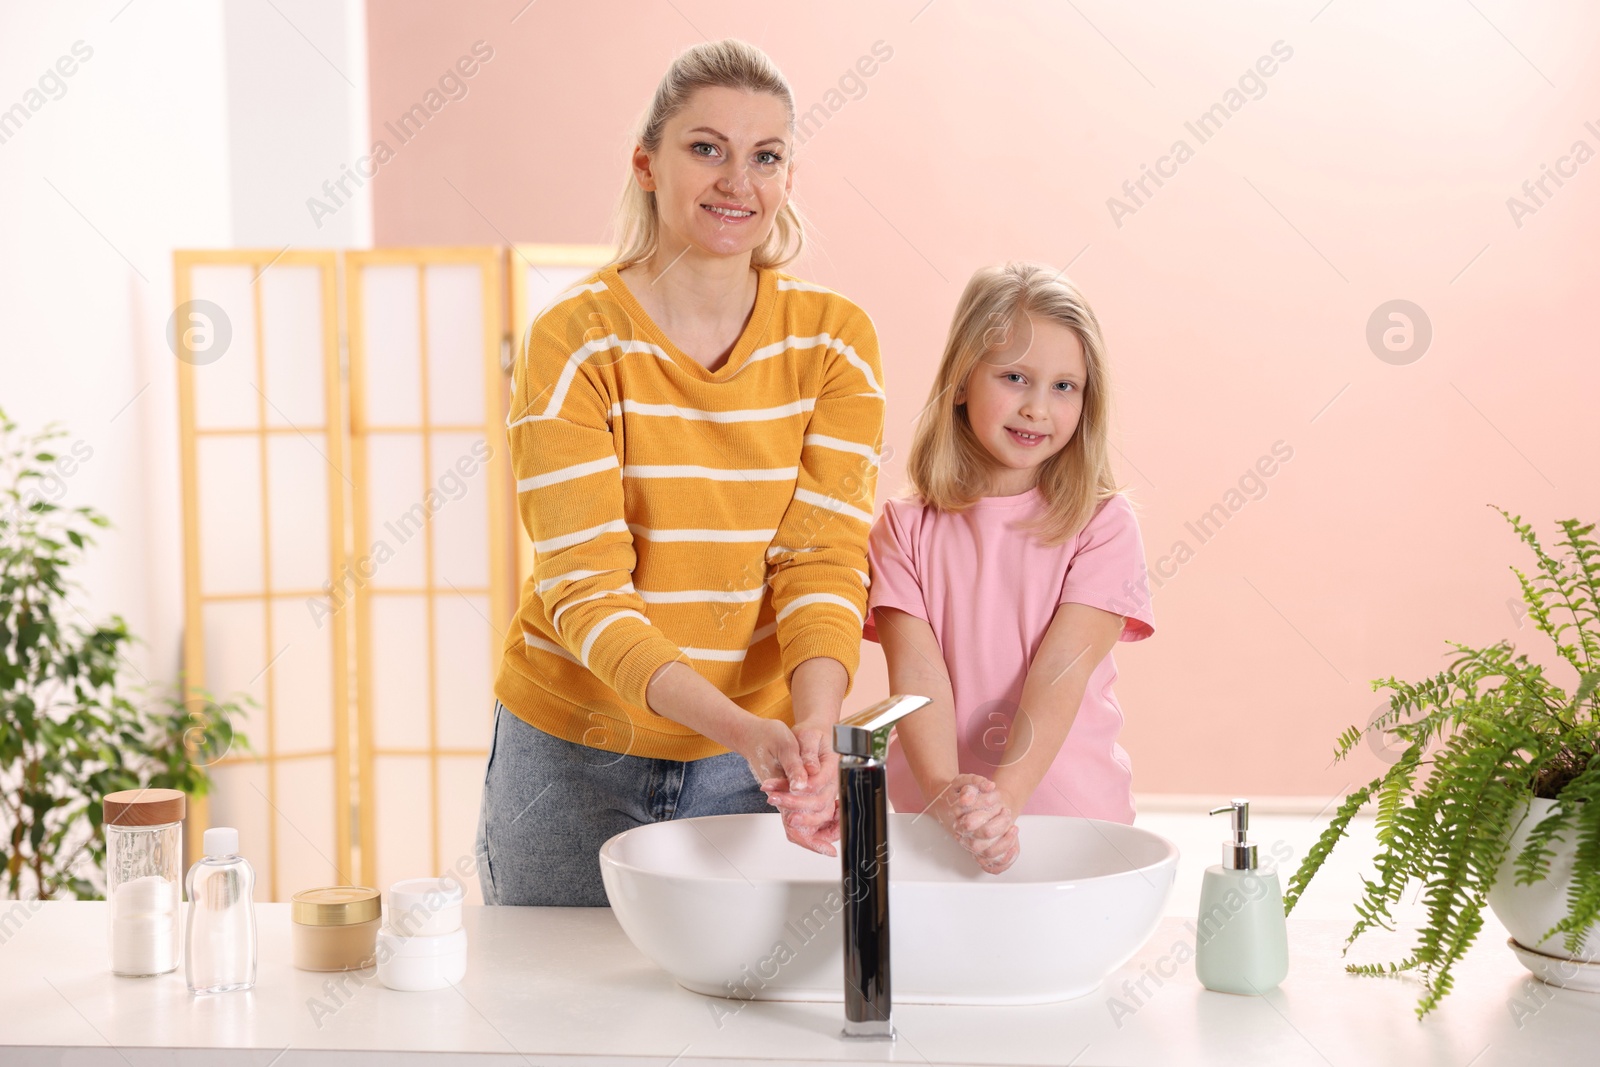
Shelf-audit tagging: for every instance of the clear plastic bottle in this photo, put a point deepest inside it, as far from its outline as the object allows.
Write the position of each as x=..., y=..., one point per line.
x=220, y=949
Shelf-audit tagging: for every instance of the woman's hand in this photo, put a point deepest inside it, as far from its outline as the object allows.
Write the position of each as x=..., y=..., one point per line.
x=810, y=815
x=810, y=809
x=769, y=746
x=978, y=815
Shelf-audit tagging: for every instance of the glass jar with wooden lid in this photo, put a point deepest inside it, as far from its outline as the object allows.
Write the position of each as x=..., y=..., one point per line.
x=144, y=878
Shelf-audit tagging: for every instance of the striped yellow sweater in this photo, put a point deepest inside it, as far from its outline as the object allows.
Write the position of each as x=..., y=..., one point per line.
x=717, y=518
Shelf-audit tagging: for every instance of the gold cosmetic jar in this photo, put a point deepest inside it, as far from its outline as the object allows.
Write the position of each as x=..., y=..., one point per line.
x=335, y=927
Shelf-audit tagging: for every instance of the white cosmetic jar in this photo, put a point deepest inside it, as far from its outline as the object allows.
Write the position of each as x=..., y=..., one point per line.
x=412, y=964
x=425, y=907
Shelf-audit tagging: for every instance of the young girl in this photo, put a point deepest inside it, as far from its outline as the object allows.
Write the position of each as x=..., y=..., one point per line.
x=1001, y=582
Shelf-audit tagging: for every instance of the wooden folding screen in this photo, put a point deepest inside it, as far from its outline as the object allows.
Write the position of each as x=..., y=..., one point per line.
x=351, y=539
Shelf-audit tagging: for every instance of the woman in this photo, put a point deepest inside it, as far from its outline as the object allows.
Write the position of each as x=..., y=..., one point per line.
x=695, y=439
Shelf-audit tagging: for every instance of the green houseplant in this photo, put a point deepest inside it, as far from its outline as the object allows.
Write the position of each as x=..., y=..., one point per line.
x=70, y=730
x=1502, y=733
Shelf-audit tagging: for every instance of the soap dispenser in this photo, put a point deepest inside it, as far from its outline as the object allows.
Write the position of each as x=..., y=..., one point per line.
x=1243, y=941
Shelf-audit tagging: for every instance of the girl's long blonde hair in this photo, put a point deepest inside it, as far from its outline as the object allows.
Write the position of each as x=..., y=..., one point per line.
x=949, y=468
x=730, y=64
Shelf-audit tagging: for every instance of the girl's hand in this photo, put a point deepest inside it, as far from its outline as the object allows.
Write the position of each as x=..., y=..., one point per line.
x=999, y=856
x=976, y=813
x=810, y=815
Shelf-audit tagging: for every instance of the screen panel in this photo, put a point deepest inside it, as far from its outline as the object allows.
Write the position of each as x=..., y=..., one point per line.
x=262, y=436
x=433, y=498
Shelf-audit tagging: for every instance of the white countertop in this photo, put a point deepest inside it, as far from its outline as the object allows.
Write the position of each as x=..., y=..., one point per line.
x=553, y=986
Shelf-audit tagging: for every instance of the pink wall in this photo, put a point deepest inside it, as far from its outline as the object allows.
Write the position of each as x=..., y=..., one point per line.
x=1375, y=165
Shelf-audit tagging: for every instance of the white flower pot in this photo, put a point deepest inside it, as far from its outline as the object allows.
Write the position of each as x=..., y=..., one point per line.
x=1527, y=911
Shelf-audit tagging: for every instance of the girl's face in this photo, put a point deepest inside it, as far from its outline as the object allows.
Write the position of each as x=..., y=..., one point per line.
x=1024, y=398
x=722, y=172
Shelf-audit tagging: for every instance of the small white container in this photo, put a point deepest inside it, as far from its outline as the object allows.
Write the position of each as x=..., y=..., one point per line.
x=421, y=945
x=413, y=964
x=425, y=907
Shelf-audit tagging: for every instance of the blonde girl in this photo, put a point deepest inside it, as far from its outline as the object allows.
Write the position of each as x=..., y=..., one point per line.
x=1004, y=578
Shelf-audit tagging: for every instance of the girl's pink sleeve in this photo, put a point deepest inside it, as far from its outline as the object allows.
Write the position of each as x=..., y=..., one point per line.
x=891, y=558
x=1108, y=572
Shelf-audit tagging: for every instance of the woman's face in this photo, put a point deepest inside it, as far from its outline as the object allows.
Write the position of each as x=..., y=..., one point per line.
x=1024, y=399
x=722, y=172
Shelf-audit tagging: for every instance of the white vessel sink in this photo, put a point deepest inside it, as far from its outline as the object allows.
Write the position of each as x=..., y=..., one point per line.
x=730, y=908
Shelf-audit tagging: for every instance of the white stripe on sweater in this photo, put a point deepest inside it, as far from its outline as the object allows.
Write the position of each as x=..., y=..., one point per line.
x=577, y=358
x=702, y=596
x=826, y=341
x=778, y=550
x=821, y=440
x=724, y=655
x=781, y=411
x=858, y=363
x=818, y=598
x=571, y=576
x=567, y=474
x=716, y=474
x=535, y=641
x=732, y=536
x=733, y=655
x=836, y=506
x=555, y=619
x=594, y=631
x=803, y=287
x=578, y=537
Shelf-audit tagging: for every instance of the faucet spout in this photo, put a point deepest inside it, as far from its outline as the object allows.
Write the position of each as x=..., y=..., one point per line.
x=866, y=733
x=862, y=740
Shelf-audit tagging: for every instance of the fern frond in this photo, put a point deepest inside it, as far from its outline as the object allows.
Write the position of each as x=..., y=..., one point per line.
x=1481, y=781
x=1381, y=970
x=1576, y=807
x=1320, y=851
x=1586, y=687
x=1574, y=591
x=1404, y=836
x=1586, y=560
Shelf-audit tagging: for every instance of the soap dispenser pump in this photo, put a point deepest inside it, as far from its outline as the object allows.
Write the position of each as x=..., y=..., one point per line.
x=1243, y=940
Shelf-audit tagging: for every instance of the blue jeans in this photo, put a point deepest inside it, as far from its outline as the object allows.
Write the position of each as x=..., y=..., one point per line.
x=548, y=806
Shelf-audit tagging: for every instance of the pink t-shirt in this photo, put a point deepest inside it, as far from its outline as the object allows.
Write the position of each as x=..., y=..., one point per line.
x=990, y=589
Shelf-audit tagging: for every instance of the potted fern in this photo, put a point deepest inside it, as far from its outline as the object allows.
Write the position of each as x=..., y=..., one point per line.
x=1493, y=798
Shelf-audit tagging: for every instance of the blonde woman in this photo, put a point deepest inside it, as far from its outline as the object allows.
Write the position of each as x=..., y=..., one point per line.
x=695, y=436
x=1001, y=584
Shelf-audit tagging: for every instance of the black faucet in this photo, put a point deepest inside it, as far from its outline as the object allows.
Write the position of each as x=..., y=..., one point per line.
x=861, y=741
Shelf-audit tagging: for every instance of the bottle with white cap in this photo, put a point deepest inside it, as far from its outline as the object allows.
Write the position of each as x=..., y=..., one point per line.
x=220, y=949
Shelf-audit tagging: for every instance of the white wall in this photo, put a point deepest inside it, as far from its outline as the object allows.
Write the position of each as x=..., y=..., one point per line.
x=297, y=114
x=189, y=125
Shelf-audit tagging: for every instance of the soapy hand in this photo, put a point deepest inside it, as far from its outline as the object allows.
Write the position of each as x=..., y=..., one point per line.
x=769, y=746
x=976, y=814
x=810, y=809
